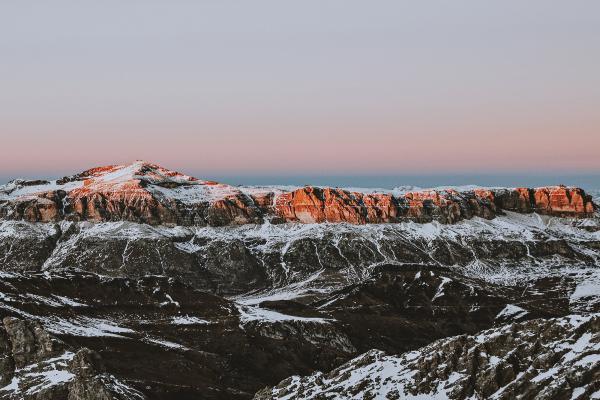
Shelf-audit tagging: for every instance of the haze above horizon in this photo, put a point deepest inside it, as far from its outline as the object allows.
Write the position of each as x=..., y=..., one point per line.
x=588, y=181
x=264, y=91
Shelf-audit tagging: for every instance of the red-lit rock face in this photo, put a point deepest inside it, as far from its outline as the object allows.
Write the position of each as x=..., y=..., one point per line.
x=147, y=193
x=314, y=205
x=562, y=201
x=141, y=192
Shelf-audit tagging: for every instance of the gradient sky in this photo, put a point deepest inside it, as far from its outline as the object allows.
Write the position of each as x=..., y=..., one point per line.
x=334, y=87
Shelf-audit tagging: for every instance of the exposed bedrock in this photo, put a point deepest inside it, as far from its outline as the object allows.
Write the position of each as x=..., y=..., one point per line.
x=163, y=338
x=538, y=359
x=310, y=204
x=147, y=193
x=36, y=365
x=307, y=205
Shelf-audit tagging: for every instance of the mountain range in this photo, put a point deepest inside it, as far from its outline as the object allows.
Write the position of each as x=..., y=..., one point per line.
x=138, y=282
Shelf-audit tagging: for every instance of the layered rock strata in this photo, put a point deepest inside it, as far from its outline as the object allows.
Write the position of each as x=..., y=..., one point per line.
x=147, y=193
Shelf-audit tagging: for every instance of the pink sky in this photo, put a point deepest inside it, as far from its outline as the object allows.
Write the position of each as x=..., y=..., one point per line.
x=265, y=88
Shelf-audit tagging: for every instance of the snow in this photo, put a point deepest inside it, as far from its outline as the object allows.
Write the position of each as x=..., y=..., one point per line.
x=121, y=388
x=169, y=301
x=165, y=343
x=117, y=177
x=512, y=226
x=69, y=302
x=268, y=238
x=380, y=376
x=194, y=194
x=390, y=372
x=292, y=291
x=36, y=378
x=188, y=247
x=589, y=359
x=577, y=392
x=511, y=311
x=440, y=290
x=84, y=326
x=402, y=190
x=588, y=288
x=40, y=376
x=253, y=313
x=188, y=320
x=11, y=191
x=188, y=190
x=49, y=379
x=24, y=230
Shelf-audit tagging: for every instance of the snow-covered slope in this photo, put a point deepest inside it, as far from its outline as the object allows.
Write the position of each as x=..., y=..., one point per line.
x=291, y=260
x=542, y=359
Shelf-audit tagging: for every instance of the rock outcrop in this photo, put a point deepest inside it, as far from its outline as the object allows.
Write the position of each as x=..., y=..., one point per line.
x=29, y=341
x=314, y=205
x=541, y=359
x=147, y=193
x=140, y=192
x=37, y=366
x=560, y=201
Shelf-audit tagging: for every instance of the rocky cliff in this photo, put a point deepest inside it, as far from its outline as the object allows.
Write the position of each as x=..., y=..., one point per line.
x=38, y=366
x=147, y=193
x=140, y=192
x=538, y=359
x=310, y=204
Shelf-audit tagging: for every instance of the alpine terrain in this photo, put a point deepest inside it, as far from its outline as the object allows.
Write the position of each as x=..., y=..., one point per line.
x=137, y=282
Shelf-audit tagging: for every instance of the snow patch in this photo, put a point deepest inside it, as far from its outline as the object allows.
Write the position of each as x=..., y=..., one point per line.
x=511, y=311
x=252, y=313
x=188, y=320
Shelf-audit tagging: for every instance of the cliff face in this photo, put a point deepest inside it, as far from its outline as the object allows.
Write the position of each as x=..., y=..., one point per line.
x=310, y=205
x=141, y=192
x=558, y=200
x=148, y=193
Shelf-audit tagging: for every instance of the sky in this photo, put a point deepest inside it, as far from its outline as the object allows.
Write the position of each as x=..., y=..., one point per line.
x=303, y=88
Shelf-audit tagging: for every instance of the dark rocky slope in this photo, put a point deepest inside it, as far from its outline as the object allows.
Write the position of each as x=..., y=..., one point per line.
x=167, y=340
x=232, y=261
x=542, y=359
x=37, y=366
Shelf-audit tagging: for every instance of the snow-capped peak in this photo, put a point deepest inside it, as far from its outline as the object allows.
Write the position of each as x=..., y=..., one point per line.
x=139, y=170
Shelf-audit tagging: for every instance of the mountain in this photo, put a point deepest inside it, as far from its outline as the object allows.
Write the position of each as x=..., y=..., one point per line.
x=147, y=193
x=164, y=286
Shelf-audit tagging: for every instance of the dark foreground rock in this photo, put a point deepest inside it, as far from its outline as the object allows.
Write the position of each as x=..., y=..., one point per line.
x=542, y=359
x=167, y=340
x=158, y=336
x=38, y=366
